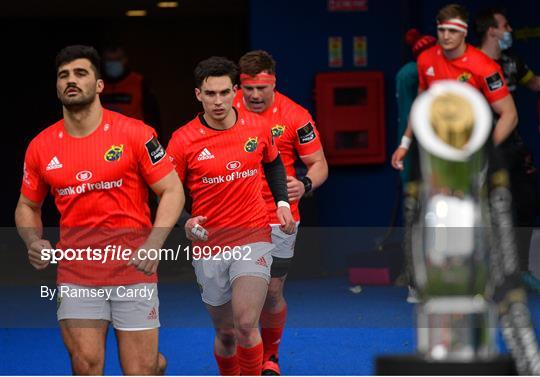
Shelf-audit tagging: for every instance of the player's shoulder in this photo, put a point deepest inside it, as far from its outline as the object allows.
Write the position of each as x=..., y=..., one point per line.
x=481, y=61
x=287, y=104
x=49, y=135
x=125, y=126
x=427, y=55
x=187, y=132
x=292, y=113
x=123, y=122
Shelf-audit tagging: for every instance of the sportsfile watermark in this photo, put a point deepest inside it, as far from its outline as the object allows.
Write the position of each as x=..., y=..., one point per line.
x=119, y=253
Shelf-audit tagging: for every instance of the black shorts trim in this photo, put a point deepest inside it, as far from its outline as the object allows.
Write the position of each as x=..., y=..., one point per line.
x=280, y=266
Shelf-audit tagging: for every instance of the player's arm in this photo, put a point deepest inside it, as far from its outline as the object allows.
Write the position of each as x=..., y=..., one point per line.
x=508, y=118
x=317, y=172
x=170, y=192
x=193, y=226
x=276, y=177
x=403, y=148
x=526, y=76
x=30, y=228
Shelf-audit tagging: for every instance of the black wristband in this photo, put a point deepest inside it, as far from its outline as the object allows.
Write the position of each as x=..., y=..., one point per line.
x=308, y=185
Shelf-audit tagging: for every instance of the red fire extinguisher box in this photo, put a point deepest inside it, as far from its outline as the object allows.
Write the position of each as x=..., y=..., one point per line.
x=350, y=116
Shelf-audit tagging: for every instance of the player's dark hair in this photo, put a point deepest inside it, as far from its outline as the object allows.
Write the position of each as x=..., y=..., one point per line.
x=216, y=66
x=70, y=53
x=486, y=19
x=452, y=11
x=255, y=62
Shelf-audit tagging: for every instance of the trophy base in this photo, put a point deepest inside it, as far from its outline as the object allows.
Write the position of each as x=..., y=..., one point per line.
x=413, y=365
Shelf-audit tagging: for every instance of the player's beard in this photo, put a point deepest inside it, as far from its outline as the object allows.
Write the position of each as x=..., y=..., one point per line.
x=79, y=102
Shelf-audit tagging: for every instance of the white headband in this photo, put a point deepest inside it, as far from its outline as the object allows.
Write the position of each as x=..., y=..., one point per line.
x=454, y=24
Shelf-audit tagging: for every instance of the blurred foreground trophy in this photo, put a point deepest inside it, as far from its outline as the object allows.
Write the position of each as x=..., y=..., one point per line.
x=462, y=243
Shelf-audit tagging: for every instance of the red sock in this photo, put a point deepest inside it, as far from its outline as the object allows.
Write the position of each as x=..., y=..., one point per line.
x=250, y=360
x=228, y=366
x=272, y=325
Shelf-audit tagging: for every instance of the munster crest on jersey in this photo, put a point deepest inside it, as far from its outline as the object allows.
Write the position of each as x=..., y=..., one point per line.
x=464, y=77
x=251, y=144
x=278, y=130
x=114, y=153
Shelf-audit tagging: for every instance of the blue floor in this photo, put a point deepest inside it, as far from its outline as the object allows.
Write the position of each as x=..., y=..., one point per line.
x=331, y=331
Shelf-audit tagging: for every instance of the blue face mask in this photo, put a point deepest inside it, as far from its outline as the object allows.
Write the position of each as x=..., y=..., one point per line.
x=506, y=41
x=114, y=69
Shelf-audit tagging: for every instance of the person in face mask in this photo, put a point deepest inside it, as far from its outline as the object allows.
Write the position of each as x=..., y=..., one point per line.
x=126, y=91
x=496, y=39
x=495, y=34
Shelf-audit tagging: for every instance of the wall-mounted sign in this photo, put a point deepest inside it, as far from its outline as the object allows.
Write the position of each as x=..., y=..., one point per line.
x=335, y=52
x=360, y=51
x=347, y=5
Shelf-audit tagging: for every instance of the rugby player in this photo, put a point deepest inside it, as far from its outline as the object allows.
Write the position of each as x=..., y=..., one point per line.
x=218, y=156
x=97, y=165
x=295, y=135
x=454, y=59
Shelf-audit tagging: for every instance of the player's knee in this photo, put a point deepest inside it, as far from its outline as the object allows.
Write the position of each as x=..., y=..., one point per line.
x=275, y=290
x=87, y=363
x=143, y=365
x=227, y=337
x=162, y=364
x=247, y=319
x=246, y=325
x=274, y=296
x=247, y=334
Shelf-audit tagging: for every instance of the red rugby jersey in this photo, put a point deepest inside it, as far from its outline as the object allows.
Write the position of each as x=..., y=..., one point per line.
x=222, y=171
x=99, y=184
x=473, y=67
x=295, y=135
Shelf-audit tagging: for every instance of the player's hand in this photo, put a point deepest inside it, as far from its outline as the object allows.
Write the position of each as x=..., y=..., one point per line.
x=286, y=221
x=142, y=263
x=397, y=158
x=295, y=188
x=35, y=253
x=194, y=230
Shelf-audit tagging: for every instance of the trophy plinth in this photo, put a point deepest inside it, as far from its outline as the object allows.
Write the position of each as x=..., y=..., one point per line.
x=459, y=329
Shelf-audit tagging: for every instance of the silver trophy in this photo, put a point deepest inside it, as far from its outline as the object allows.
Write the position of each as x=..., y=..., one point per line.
x=457, y=319
x=463, y=244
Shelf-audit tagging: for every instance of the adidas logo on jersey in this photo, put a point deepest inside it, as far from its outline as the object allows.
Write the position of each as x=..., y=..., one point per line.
x=205, y=155
x=54, y=164
x=430, y=71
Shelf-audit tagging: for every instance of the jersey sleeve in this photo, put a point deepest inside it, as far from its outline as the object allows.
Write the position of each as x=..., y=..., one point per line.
x=422, y=82
x=492, y=83
x=33, y=185
x=270, y=151
x=151, y=157
x=176, y=154
x=306, y=135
